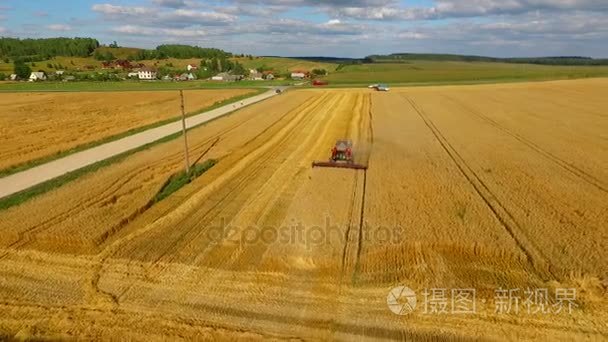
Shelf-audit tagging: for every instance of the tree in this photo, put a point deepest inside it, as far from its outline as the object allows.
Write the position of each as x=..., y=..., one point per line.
x=21, y=69
x=2, y=76
x=319, y=72
x=104, y=56
x=238, y=69
x=114, y=45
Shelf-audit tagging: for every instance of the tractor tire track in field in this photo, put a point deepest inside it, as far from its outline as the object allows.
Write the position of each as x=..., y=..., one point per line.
x=355, y=200
x=574, y=170
x=369, y=141
x=540, y=263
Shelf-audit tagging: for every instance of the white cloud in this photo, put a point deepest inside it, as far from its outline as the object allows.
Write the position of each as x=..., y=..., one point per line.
x=149, y=16
x=59, y=27
x=113, y=10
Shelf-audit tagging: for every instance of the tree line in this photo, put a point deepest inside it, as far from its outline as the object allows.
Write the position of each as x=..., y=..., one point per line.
x=559, y=60
x=179, y=52
x=41, y=49
x=35, y=50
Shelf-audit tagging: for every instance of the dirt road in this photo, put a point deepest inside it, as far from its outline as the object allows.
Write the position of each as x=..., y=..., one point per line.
x=26, y=179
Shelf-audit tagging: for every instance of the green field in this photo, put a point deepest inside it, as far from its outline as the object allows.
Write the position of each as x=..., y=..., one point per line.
x=437, y=72
x=284, y=65
x=402, y=73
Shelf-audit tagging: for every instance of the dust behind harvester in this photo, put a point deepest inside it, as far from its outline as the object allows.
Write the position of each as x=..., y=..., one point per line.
x=341, y=157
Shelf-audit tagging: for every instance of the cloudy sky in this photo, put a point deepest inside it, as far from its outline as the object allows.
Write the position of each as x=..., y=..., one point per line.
x=344, y=28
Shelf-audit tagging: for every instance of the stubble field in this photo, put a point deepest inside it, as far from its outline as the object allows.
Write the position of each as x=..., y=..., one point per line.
x=471, y=187
x=39, y=125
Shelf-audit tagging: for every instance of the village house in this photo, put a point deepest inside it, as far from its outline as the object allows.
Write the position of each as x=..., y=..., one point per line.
x=268, y=75
x=223, y=76
x=186, y=77
x=226, y=77
x=256, y=76
x=147, y=73
x=37, y=76
x=299, y=75
x=191, y=67
x=14, y=77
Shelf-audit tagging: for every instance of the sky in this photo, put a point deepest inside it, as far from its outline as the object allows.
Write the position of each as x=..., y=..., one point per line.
x=338, y=28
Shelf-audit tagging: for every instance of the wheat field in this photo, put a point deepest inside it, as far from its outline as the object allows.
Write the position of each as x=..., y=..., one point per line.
x=468, y=187
x=39, y=125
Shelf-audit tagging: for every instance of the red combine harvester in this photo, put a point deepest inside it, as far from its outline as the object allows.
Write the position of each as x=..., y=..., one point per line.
x=319, y=83
x=341, y=157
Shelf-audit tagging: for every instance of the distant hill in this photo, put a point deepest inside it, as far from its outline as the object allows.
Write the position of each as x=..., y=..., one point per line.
x=558, y=60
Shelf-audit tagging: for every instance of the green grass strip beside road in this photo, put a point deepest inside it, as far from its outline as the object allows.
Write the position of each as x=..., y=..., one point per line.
x=179, y=180
x=36, y=162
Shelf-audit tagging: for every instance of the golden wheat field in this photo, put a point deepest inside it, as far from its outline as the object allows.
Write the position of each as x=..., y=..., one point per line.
x=470, y=191
x=38, y=125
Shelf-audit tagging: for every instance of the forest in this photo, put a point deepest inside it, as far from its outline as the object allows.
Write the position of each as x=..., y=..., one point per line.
x=34, y=50
x=558, y=60
x=41, y=49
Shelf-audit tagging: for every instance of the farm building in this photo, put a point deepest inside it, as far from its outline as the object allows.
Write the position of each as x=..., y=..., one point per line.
x=14, y=77
x=224, y=76
x=298, y=75
x=186, y=77
x=191, y=67
x=37, y=76
x=256, y=76
x=147, y=73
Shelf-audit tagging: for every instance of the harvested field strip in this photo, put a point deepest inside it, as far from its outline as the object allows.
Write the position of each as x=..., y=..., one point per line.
x=540, y=262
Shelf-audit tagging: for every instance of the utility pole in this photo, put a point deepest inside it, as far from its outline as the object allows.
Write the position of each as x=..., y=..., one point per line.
x=181, y=95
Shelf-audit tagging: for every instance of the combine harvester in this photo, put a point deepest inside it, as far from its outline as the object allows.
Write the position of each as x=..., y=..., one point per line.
x=341, y=157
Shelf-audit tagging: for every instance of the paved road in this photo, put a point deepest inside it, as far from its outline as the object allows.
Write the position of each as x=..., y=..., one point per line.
x=23, y=180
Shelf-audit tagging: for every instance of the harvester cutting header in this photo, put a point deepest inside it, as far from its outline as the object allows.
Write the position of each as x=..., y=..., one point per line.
x=341, y=157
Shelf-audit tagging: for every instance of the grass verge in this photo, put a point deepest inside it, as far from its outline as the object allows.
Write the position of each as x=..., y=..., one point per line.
x=179, y=180
x=33, y=163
